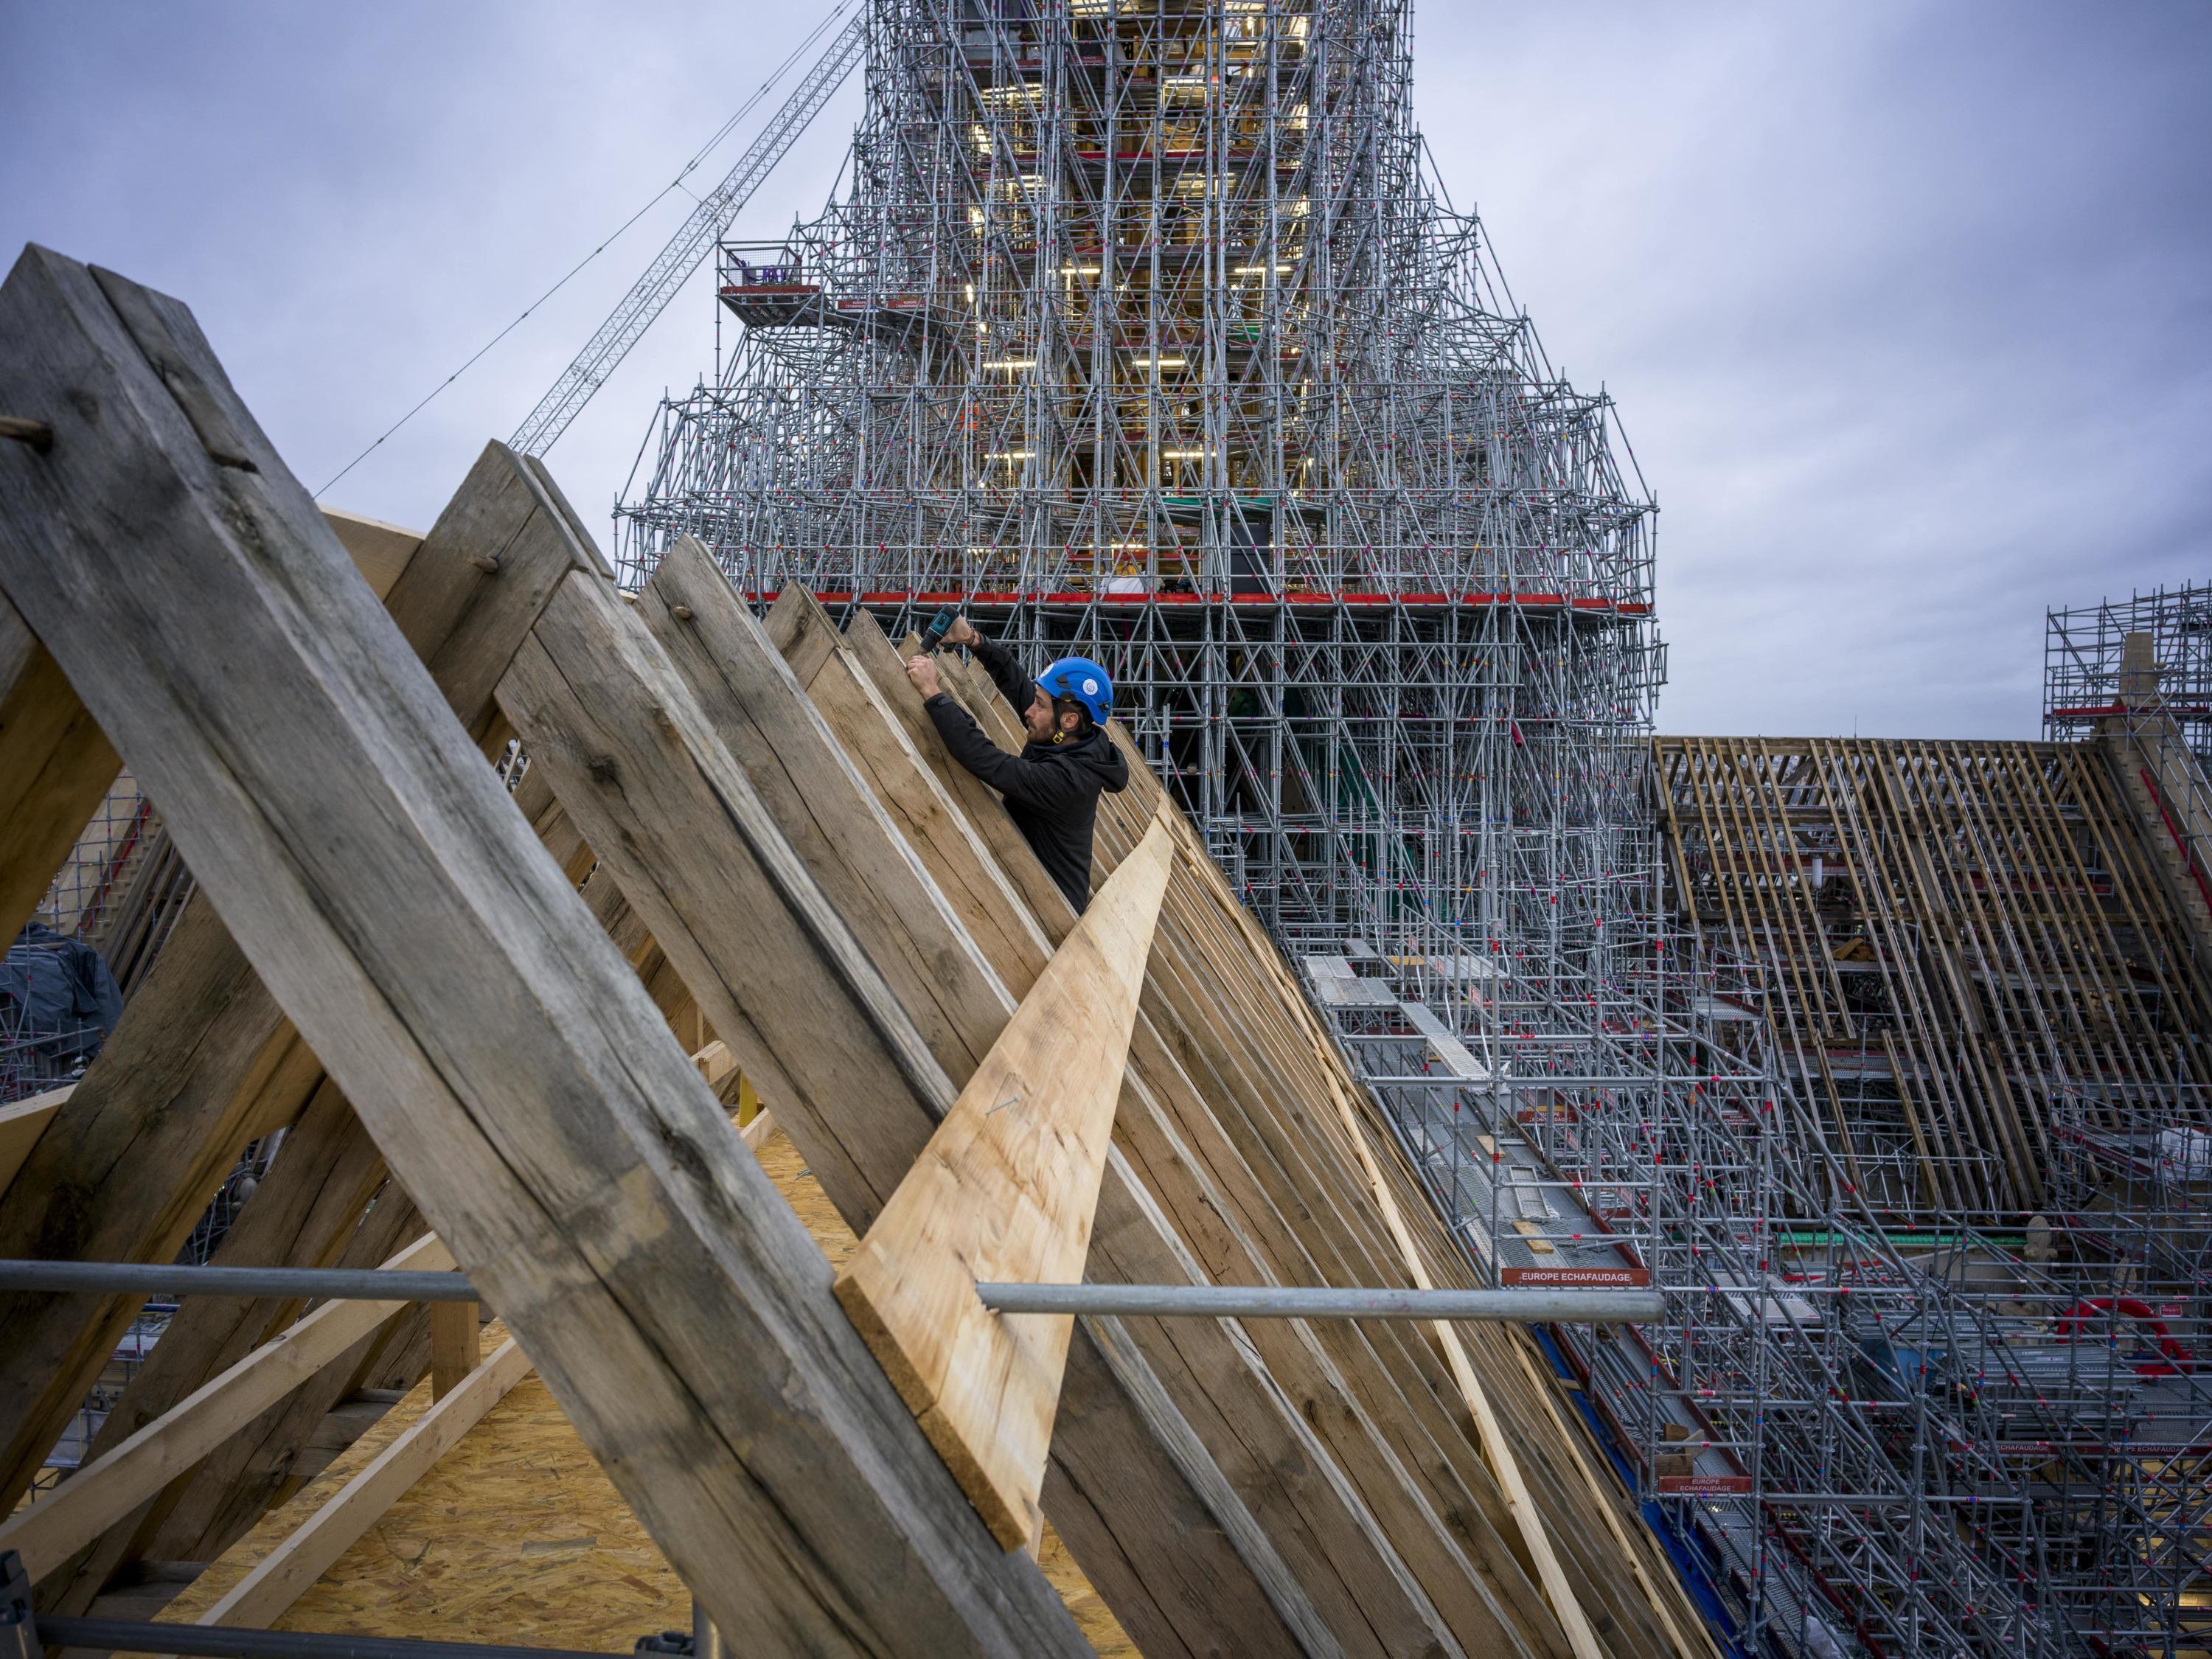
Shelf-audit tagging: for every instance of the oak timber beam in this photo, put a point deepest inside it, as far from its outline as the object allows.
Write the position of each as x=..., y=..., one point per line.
x=202, y=1060
x=55, y=769
x=1356, y=1581
x=1158, y=1529
x=1005, y=1191
x=303, y=1213
x=519, y=1082
x=1345, y=1583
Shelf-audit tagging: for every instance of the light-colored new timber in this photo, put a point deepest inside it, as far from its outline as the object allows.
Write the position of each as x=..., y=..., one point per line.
x=1007, y=1190
x=455, y=1349
x=21, y=1123
x=55, y=767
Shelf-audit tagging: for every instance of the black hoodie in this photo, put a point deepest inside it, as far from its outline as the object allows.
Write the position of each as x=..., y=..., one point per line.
x=1051, y=789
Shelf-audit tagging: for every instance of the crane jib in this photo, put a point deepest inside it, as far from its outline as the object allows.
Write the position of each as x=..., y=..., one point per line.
x=693, y=241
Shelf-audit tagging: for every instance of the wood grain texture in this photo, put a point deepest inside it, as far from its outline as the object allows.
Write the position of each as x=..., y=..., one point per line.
x=1328, y=1570
x=55, y=767
x=515, y=1074
x=261, y=1464
x=304, y=1213
x=1007, y=1190
x=813, y=790
x=453, y=1346
x=21, y=1123
x=515, y=1535
x=744, y=921
x=110, y=1487
x=1152, y=1524
x=202, y=1060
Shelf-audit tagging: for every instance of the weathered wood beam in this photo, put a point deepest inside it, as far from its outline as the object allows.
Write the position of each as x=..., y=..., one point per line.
x=55, y=768
x=202, y=1061
x=304, y=1213
x=259, y=1466
x=1353, y=1578
x=514, y=1071
x=743, y=921
x=21, y=1123
x=1407, y=1479
x=1006, y=1192
x=1160, y=1531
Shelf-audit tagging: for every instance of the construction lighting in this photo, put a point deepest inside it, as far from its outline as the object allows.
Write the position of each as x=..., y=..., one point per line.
x=1012, y=455
x=1012, y=363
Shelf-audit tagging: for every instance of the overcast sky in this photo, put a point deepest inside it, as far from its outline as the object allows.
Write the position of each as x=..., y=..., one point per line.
x=1907, y=307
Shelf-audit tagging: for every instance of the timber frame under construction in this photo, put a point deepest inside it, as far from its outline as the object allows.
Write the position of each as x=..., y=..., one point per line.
x=1871, y=1075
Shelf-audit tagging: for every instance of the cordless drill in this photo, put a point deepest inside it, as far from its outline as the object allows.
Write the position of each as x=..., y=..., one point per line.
x=939, y=626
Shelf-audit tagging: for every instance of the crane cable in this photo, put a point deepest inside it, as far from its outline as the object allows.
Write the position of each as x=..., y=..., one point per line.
x=675, y=184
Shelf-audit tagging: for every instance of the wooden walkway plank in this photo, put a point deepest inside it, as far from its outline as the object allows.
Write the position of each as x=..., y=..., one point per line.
x=516, y=1076
x=1007, y=1190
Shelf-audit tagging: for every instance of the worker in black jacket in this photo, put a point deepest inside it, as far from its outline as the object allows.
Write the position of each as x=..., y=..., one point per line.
x=1052, y=787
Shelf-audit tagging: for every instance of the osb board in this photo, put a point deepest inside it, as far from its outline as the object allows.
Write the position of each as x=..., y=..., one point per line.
x=516, y=1536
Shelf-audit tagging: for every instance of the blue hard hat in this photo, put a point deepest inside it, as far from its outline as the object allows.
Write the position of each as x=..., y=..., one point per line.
x=1083, y=680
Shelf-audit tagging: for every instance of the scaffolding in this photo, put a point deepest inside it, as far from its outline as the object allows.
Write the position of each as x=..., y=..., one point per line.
x=1985, y=1424
x=1142, y=331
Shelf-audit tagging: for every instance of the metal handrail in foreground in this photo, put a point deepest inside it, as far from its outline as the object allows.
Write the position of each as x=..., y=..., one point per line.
x=1146, y=1301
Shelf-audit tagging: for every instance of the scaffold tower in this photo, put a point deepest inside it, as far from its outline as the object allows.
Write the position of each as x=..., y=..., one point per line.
x=1144, y=330
x=1140, y=333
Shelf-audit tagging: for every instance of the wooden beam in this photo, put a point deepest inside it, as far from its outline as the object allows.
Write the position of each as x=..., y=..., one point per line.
x=307, y=1208
x=21, y=1123
x=282, y=1576
x=55, y=767
x=200, y=1064
x=645, y=775
x=455, y=1349
x=259, y=1466
x=1163, y=1531
x=202, y=1060
x=108, y=1488
x=1322, y=1572
x=511, y=1067
x=1006, y=1190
